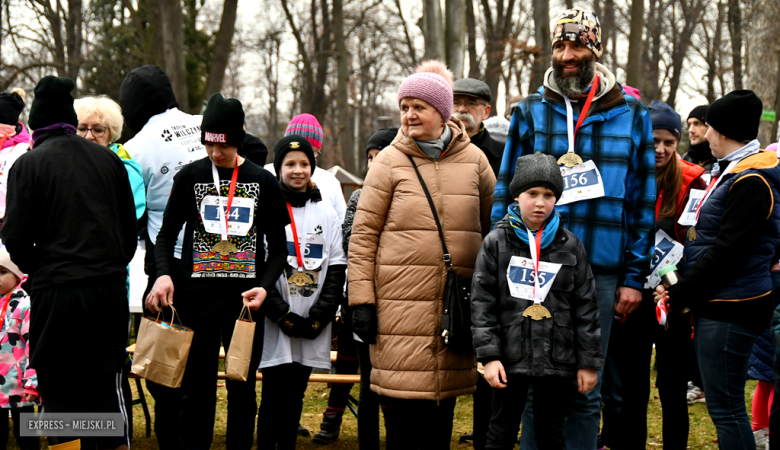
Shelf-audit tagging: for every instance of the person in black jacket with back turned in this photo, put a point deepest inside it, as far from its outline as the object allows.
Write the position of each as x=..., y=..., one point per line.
x=70, y=225
x=528, y=333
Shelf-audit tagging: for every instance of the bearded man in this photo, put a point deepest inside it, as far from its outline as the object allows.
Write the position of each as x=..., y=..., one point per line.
x=471, y=104
x=603, y=141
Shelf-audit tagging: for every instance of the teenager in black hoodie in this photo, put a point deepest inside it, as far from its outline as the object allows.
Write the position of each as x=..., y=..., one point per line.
x=220, y=263
x=70, y=225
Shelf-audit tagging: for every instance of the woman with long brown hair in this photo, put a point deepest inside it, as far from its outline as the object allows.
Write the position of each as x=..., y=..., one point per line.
x=675, y=179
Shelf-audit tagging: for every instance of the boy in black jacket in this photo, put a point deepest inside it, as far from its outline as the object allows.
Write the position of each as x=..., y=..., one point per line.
x=534, y=310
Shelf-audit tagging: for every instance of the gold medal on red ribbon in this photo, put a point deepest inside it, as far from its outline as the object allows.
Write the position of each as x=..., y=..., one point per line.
x=537, y=312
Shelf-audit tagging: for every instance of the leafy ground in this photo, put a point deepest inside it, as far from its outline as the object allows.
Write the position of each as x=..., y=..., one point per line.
x=702, y=432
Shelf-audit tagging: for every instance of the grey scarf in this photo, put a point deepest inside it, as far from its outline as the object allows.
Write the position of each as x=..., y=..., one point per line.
x=434, y=148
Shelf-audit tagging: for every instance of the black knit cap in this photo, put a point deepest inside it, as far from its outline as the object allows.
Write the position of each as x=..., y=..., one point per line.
x=292, y=143
x=223, y=122
x=736, y=115
x=53, y=103
x=699, y=112
x=11, y=105
x=381, y=139
x=536, y=169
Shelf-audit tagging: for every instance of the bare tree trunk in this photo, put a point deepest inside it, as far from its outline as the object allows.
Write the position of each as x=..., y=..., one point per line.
x=471, y=28
x=352, y=162
x=735, y=30
x=650, y=89
x=569, y=4
x=495, y=44
x=172, y=24
x=608, y=31
x=407, y=36
x=773, y=132
x=222, y=47
x=74, y=37
x=542, y=59
x=308, y=71
x=712, y=53
x=319, y=102
x=431, y=27
x=455, y=31
x=634, y=66
x=764, y=48
x=691, y=15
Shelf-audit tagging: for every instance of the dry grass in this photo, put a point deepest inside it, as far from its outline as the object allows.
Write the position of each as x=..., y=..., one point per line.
x=702, y=431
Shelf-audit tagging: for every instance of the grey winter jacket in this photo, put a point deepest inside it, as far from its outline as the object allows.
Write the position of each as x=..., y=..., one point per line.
x=559, y=346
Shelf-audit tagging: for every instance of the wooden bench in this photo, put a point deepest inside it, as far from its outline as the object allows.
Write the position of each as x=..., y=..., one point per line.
x=313, y=378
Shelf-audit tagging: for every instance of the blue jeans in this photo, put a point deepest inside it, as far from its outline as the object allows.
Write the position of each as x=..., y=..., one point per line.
x=584, y=410
x=724, y=351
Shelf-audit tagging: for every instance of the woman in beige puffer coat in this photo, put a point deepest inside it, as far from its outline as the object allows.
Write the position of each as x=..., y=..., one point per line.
x=397, y=273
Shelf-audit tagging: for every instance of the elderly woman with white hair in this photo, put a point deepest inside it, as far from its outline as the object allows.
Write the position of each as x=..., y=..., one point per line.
x=100, y=121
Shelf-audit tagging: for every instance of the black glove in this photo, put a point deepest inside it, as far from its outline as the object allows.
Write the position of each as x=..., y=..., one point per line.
x=364, y=323
x=312, y=328
x=293, y=325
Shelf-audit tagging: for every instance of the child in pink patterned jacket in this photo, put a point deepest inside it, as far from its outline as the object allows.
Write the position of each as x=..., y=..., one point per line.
x=18, y=381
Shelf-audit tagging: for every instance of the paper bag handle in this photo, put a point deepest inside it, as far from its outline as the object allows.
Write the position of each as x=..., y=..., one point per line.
x=240, y=316
x=173, y=316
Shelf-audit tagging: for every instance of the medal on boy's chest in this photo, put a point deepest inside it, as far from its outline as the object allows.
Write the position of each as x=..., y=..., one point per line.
x=537, y=312
x=691, y=234
x=224, y=248
x=531, y=279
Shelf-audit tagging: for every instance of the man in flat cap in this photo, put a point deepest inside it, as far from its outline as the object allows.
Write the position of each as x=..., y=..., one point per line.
x=471, y=104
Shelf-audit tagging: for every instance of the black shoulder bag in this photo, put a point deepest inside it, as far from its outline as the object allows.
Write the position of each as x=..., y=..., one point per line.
x=456, y=318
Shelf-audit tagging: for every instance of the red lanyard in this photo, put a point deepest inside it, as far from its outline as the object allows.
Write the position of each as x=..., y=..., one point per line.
x=584, y=113
x=536, y=257
x=231, y=192
x=295, y=237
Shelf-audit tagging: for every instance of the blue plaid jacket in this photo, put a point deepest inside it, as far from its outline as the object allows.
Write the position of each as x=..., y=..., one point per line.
x=617, y=229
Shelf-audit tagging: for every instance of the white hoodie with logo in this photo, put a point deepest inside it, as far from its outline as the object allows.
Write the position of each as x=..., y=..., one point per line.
x=166, y=143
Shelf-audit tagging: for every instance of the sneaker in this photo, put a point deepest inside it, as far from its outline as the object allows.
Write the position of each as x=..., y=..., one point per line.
x=303, y=431
x=698, y=399
x=762, y=438
x=464, y=438
x=694, y=392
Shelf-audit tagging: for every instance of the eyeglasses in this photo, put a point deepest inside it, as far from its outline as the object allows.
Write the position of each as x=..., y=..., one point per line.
x=467, y=104
x=97, y=131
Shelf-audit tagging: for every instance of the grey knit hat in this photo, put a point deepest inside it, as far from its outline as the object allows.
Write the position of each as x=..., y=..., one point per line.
x=536, y=169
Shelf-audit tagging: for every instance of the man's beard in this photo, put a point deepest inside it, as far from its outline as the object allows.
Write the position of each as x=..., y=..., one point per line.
x=574, y=85
x=467, y=119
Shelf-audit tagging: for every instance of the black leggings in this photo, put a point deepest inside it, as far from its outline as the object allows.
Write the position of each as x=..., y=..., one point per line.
x=24, y=443
x=281, y=404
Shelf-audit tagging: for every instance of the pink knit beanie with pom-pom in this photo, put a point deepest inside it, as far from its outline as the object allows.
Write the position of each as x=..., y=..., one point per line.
x=432, y=83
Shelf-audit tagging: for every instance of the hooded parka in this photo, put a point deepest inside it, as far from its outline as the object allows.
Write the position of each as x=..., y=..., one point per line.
x=396, y=261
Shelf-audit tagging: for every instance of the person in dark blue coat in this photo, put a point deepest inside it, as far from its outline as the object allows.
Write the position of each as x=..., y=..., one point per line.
x=729, y=250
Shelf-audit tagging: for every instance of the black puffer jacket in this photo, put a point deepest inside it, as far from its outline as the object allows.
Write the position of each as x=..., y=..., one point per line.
x=559, y=346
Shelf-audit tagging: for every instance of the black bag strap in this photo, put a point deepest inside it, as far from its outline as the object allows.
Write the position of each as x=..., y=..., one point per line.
x=447, y=258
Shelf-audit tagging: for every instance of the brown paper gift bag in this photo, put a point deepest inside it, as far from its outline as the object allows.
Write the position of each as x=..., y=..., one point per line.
x=161, y=350
x=240, y=351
